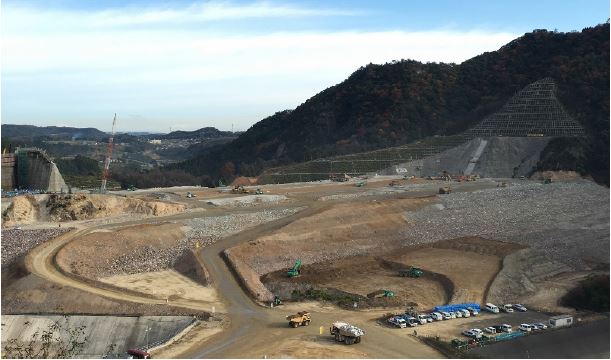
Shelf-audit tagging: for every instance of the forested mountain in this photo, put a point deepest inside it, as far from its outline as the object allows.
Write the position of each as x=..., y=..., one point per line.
x=203, y=133
x=20, y=132
x=399, y=102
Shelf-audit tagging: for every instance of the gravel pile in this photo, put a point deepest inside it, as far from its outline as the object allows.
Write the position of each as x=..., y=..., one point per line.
x=206, y=231
x=248, y=200
x=16, y=243
x=569, y=222
x=211, y=229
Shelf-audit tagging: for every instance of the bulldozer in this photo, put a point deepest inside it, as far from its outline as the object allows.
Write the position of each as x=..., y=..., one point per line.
x=412, y=272
x=295, y=270
x=302, y=318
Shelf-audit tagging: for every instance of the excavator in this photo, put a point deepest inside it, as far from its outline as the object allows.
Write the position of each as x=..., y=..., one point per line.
x=295, y=270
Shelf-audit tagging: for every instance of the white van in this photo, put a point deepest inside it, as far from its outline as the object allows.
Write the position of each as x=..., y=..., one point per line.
x=492, y=308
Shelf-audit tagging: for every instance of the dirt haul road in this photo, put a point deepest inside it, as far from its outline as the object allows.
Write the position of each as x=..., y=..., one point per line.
x=254, y=331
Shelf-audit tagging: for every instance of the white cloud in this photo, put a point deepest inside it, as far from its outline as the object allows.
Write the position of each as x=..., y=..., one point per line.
x=28, y=19
x=160, y=71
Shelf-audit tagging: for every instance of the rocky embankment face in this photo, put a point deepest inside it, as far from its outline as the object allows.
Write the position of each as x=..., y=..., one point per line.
x=28, y=209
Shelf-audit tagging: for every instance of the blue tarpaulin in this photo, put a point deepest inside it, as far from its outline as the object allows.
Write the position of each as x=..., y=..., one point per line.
x=456, y=307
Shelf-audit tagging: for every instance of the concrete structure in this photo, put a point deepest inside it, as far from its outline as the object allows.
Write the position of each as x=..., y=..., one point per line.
x=125, y=332
x=31, y=168
x=8, y=171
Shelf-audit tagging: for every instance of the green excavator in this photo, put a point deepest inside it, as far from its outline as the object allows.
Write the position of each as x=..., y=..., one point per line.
x=294, y=271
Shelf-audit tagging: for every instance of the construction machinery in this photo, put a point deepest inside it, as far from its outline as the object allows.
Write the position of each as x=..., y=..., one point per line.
x=381, y=293
x=339, y=178
x=258, y=192
x=295, y=270
x=547, y=180
x=346, y=333
x=360, y=183
x=239, y=190
x=277, y=301
x=191, y=195
x=412, y=272
x=302, y=318
x=445, y=190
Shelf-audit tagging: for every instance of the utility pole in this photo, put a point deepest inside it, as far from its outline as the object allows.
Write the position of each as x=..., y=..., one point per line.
x=108, y=156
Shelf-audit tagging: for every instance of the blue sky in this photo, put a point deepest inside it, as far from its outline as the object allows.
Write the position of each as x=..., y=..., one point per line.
x=190, y=64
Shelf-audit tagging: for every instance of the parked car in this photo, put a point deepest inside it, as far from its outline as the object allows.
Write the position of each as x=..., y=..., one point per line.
x=503, y=328
x=507, y=308
x=469, y=333
x=422, y=319
x=458, y=314
x=437, y=316
x=519, y=307
x=428, y=318
x=539, y=326
x=526, y=327
x=492, y=308
x=472, y=333
x=465, y=313
x=446, y=315
x=412, y=321
x=398, y=322
x=473, y=311
x=490, y=330
x=478, y=332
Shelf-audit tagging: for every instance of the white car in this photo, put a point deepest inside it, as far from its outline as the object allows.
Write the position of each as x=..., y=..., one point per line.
x=398, y=322
x=446, y=315
x=458, y=314
x=469, y=333
x=526, y=327
x=490, y=330
x=422, y=319
x=519, y=307
x=539, y=326
x=437, y=316
x=428, y=317
x=474, y=333
x=492, y=308
x=465, y=313
x=507, y=308
x=473, y=311
x=452, y=315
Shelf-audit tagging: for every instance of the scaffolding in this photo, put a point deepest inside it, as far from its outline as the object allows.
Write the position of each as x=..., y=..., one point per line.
x=532, y=111
x=22, y=169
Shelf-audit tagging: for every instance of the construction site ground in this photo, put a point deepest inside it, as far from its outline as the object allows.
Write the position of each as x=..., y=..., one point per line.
x=349, y=238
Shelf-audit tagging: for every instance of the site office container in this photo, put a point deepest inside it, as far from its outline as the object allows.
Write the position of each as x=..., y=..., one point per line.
x=561, y=321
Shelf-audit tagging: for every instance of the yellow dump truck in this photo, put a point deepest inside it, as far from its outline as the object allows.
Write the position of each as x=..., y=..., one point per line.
x=302, y=318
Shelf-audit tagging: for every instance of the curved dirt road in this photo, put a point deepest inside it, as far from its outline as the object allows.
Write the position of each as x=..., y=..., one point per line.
x=251, y=325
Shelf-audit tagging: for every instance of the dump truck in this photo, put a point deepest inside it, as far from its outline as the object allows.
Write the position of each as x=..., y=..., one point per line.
x=302, y=318
x=295, y=270
x=445, y=190
x=413, y=272
x=346, y=333
x=381, y=293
